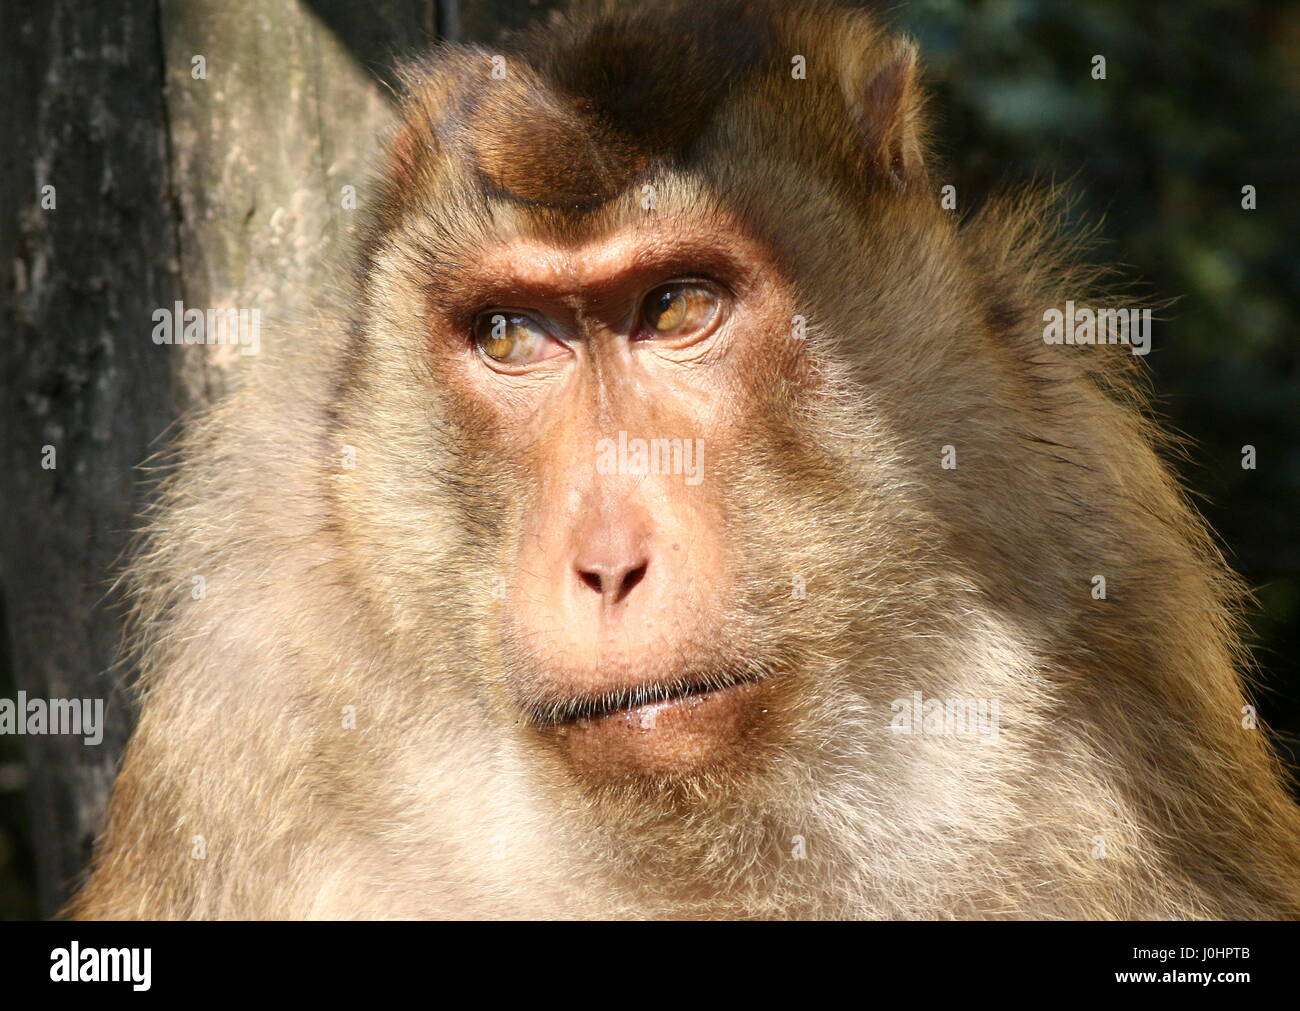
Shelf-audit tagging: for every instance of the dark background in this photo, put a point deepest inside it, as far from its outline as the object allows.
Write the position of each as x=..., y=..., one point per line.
x=1200, y=99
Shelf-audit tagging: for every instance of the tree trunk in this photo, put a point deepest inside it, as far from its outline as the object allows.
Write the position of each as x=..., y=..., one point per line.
x=218, y=183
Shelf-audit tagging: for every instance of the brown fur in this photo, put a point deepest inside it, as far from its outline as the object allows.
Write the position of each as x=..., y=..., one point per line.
x=370, y=587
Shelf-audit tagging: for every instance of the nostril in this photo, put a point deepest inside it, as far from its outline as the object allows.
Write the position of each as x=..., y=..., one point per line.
x=630, y=579
x=613, y=584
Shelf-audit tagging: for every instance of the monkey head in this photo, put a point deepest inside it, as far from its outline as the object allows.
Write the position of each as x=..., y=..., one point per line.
x=593, y=300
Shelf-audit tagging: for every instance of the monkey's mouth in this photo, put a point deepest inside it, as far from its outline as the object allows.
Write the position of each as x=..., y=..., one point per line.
x=661, y=729
x=585, y=708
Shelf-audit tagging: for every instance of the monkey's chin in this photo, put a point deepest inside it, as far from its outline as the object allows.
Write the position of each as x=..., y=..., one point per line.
x=676, y=737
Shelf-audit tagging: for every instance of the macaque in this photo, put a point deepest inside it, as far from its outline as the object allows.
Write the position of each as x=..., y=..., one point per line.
x=685, y=517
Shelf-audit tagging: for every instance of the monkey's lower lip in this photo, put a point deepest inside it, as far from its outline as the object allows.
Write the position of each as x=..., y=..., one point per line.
x=670, y=737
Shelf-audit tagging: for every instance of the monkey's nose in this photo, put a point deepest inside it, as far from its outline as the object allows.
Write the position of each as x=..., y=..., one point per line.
x=612, y=580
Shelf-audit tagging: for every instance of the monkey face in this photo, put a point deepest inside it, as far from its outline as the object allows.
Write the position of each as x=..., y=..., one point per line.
x=616, y=374
x=619, y=465
x=607, y=389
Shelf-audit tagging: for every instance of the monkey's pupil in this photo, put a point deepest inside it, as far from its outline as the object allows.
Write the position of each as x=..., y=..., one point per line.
x=670, y=310
x=498, y=347
x=498, y=335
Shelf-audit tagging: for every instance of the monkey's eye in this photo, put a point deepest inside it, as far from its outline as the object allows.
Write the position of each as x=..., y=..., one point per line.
x=513, y=338
x=681, y=309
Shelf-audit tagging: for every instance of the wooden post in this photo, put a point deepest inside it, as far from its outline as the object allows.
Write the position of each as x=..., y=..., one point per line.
x=178, y=150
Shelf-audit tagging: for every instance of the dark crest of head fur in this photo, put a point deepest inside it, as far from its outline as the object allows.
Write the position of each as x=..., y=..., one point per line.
x=587, y=105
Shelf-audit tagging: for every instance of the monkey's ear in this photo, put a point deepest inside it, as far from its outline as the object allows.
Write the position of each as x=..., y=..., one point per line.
x=886, y=102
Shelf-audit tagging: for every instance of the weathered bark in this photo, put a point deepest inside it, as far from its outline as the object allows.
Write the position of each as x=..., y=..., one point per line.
x=85, y=114
x=221, y=193
x=263, y=148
